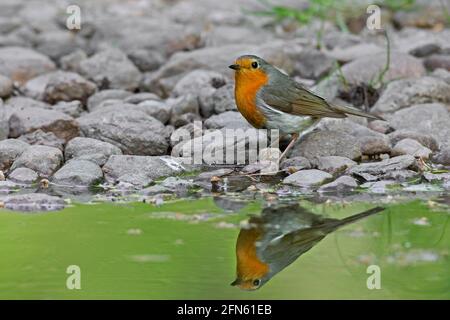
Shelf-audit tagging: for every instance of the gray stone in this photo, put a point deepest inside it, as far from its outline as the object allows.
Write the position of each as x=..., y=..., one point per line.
x=441, y=74
x=334, y=164
x=40, y=137
x=382, y=167
x=307, y=178
x=412, y=39
x=313, y=64
x=437, y=61
x=111, y=69
x=71, y=61
x=424, y=139
x=185, y=133
x=182, y=107
x=111, y=94
x=223, y=99
x=375, y=144
x=431, y=119
x=33, y=202
x=25, y=102
x=141, y=97
x=215, y=59
x=27, y=119
x=343, y=183
x=327, y=143
x=202, y=84
x=146, y=60
x=177, y=185
x=399, y=175
x=214, y=173
x=157, y=109
x=354, y=52
x=78, y=173
x=10, y=149
x=378, y=186
x=184, y=119
x=406, y=92
x=412, y=147
x=133, y=132
x=58, y=43
x=73, y=108
x=436, y=177
x=446, y=185
x=141, y=170
x=370, y=142
x=8, y=186
x=223, y=34
x=443, y=157
x=380, y=126
x=214, y=147
x=184, y=104
x=42, y=159
x=23, y=175
x=425, y=50
x=21, y=64
x=90, y=149
x=295, y=164
x=228, y=120
x=6, y=86
x=60, y=86
x=368, y=68
x=4, y=124
x=155, y=190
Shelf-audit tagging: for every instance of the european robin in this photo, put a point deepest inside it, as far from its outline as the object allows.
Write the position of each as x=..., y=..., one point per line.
x=267, y=98
x=277, y=238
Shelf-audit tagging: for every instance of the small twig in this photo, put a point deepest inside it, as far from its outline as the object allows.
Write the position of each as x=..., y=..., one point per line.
x=388, y=61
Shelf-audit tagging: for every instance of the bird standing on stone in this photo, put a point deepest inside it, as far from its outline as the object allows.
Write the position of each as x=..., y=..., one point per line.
x=269, y=99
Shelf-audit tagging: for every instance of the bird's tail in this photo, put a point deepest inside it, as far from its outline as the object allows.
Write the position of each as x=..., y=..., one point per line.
x=356, y=112
x=357, y=217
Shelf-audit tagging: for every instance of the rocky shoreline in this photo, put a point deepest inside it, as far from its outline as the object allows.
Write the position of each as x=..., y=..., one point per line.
x=101, y=107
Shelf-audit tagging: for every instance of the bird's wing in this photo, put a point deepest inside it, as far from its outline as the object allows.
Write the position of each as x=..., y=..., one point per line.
x=291, y=97
x=295, y=99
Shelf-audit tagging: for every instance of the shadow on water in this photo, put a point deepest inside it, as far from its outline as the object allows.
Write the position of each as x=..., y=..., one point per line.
x=279, y=236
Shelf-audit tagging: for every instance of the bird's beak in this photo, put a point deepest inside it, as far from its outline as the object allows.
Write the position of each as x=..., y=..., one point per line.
x=235, y=282
x=234, y=67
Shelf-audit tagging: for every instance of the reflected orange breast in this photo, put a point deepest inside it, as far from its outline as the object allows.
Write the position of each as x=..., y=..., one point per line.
x=249, y=266
x=248, y=82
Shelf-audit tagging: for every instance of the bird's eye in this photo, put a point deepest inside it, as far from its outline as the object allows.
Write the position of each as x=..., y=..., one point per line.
x=254, y=64
x=256, y=282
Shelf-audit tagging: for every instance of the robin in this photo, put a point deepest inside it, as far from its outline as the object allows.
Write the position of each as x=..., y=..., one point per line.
x=277, y=238
x=269, y=99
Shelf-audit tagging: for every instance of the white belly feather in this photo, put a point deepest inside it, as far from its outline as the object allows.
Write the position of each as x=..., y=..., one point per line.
x=286, y=123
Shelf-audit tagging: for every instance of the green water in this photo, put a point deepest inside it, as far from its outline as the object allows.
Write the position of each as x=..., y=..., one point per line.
x=186, y=250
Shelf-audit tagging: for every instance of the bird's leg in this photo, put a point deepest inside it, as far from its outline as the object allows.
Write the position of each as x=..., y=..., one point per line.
x=276, y=142
x=293, y=140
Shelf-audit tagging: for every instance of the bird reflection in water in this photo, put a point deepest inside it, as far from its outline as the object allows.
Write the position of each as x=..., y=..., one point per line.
x=272, y=241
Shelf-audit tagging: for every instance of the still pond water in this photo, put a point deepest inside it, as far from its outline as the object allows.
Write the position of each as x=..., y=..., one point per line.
x=186, y=249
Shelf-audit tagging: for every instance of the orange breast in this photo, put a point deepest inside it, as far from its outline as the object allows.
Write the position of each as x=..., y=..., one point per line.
x=248, y=82
x=249, y=266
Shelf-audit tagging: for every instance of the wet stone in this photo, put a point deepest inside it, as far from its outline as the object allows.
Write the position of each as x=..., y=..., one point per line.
x=33, y=202
x=382, y=167
x=78, y=173
x=307, y=178
x=295, y=164
x=411, y=147
x=343, y=183
x=10, y=149
x=334, y=164
x=23, y=175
